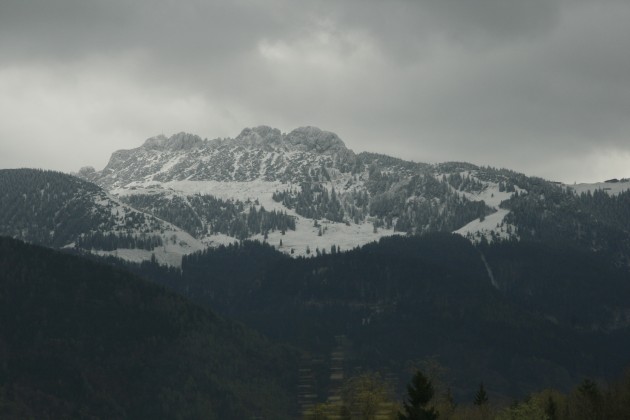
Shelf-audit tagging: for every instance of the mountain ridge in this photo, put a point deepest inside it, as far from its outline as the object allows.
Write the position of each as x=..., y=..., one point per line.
x=307, y=173
x=305, y=192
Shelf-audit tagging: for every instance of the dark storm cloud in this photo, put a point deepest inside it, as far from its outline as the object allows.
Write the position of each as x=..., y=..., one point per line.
x=541, y=86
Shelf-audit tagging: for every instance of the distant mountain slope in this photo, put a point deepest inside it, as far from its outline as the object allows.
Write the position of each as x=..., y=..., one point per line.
x=83, y=340
x=59, y=210
x=596, y=221
x=533, y=318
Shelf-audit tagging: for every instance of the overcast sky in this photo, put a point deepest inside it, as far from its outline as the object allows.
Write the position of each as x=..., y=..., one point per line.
x=540, y=86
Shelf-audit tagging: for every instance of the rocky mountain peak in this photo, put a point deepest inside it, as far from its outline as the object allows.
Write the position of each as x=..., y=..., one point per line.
x=156, y=142
x=259, y=136
x=261, y=152
x=88, y=173
x=313, y=139
x=304, y=139
x=179, y=141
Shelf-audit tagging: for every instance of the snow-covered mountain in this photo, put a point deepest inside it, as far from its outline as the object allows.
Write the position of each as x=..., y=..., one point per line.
x=305, y=192
x=217, y=189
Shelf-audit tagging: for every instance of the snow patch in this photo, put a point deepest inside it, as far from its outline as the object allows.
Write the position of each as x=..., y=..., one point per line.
x=306, y=235
x=491, y=227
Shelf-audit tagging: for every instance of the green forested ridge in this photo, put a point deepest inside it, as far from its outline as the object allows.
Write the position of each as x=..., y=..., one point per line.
x=80, y=339
x=410, y=298
x=595, y=221
x=574, y=287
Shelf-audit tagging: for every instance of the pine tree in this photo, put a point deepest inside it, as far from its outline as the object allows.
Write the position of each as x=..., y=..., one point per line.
x=420, y=392
x=481, y=397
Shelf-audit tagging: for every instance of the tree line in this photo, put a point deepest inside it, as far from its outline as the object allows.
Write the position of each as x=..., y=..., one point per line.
x=203, y=214
x=368, y=396
x=111, y=241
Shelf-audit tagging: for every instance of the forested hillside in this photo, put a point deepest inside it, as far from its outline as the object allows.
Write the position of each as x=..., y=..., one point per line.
x=79, y=339
x=595, y=221
x=62, y=211
x=515, y=323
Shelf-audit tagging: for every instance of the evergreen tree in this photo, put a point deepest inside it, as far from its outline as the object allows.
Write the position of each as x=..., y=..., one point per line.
x=420, y=392
x=481, y=398
x=590, y=400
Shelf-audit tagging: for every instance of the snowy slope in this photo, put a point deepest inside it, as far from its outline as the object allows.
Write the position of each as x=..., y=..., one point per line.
x=175, y=242
x=491, y=227
x=295, y=242
x=62, y=211
x=609, y=187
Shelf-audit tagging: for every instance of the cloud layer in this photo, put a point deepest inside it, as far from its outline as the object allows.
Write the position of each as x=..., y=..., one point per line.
x=541, y=86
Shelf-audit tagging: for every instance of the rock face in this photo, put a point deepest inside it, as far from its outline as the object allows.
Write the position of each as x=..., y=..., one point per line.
x=308, y=172
x=180, y=141
x=256, y=153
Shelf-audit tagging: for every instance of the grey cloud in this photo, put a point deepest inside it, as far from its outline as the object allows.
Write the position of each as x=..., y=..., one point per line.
x=69, y=29
x=404, y=28
x=66, y=28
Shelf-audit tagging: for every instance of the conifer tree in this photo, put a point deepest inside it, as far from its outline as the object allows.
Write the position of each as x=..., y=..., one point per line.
x=419, y=394
x=481, y=398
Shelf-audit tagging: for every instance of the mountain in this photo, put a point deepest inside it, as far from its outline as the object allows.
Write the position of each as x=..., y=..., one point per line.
x=80, y=339
x=259, y=153
x=541, y=269
x=62, y=211
x=512, y=280
x=305, y=190
x=322, y=193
